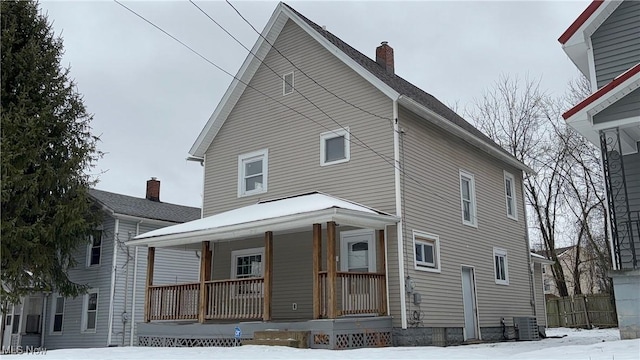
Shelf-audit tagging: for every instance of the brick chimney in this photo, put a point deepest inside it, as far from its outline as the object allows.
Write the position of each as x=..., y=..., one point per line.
x=384, y=57
x=153, y=189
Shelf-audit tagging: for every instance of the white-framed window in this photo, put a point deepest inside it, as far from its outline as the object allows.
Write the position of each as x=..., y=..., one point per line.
x=335, y=147
x=426, y=251
x=90, y=311
x=94, y=249
x=546, y=283
x=246, y=264
x=287, y=83
x=501, y=267
x=253, y=173
x=510, y=195
x=468, y=198
x=57, y=314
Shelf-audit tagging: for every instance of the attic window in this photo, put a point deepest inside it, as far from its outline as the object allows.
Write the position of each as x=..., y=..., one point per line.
x=287, y=83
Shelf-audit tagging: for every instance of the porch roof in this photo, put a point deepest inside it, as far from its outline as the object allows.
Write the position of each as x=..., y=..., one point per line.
x=285, y=214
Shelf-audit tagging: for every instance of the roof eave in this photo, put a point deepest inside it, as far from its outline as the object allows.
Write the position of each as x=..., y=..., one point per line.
x=448, y=126
x=284, y=223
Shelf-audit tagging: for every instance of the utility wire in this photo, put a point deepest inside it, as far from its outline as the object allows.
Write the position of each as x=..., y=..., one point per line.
x=297, y=68
x=395, y=164
x=278, y=76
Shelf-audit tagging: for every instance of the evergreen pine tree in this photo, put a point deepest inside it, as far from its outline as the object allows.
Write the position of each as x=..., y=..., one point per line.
x=46, y=147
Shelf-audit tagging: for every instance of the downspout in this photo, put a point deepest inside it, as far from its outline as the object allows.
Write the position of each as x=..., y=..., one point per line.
x=532, y=287
x=386, y=268
x=400, y=226
x=44, y=318
x=114, y=267
x=134, y=289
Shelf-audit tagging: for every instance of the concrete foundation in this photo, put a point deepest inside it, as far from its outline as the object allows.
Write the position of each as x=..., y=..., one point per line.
x=626, y=287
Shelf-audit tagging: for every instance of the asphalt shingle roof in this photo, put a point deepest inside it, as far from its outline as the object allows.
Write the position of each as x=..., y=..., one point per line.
x=399, y=84
x=141, y=207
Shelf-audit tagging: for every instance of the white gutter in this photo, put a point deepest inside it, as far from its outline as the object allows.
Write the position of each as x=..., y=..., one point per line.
x=134, y=290
x=456, y=130
x=400, y=225
x=146, y=220
x=114, y=267
x=254, y=228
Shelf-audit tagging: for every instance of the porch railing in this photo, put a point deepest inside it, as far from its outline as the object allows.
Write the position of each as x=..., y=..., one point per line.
x=174, y=302
x=356, y=292
x=235, y=299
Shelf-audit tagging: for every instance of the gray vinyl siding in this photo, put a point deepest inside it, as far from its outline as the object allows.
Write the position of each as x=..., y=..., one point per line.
x=632, y=180
x=435, y=158
x=616, y=43
x=293, y=141
x=96, y=277
x=627, y=107
x=541, y=314
x=171, y=266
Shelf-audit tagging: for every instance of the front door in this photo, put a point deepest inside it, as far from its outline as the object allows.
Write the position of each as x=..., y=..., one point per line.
x=357, y=251
x=469, y=301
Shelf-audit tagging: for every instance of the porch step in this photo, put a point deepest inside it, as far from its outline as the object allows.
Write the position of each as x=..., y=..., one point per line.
x=273, y=342
x=300, y=337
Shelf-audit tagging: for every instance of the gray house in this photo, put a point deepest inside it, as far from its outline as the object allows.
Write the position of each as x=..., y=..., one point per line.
x=115, y=273
x=604, y=43
x=345, y=203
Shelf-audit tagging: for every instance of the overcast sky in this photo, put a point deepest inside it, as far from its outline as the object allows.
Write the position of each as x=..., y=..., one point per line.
x=151, y=97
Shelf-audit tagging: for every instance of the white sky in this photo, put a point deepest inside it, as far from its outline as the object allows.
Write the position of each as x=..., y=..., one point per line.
x=151, y=97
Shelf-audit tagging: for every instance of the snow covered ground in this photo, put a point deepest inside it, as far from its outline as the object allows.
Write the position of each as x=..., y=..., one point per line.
x=602, y=344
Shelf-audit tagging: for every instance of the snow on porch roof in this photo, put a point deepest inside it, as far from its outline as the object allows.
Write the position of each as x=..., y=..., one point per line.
x=273, y=215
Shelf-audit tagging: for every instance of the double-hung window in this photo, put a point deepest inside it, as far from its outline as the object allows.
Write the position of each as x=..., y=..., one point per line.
x=246, y=264
x=95, y=248
x=510, y=191
x=468, y=198
x=501, y=266
x=253, y=169
x=427, y=251
x=90, y=311
x=335, y=147
x=58, y=315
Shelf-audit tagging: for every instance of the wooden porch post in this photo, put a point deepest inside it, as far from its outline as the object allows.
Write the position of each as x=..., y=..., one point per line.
x=205, y=274
x=268, y=274
x=147, y=291
x=332, y=311
x=317, y=259
x=382, y=269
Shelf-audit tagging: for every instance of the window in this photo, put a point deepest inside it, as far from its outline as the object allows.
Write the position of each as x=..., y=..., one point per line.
x=253, y=173
x=468, y=198
x=510, y=191
x=58, y=315
x=245, y=264
x=500, y=266
x=427, y=251
x=95, y=248
x=90, y=311
x=547, y=285
x=287, y=83
x=335, y=147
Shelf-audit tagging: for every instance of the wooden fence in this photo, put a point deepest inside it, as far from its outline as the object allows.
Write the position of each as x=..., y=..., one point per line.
x=582, y=311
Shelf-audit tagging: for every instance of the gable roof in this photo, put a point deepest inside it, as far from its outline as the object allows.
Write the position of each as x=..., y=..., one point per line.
x=138, y=207
x=586, y=14
x=391, y=85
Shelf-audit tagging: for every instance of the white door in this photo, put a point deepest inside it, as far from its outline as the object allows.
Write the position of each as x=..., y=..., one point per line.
x=469, y=301
x=357, y=251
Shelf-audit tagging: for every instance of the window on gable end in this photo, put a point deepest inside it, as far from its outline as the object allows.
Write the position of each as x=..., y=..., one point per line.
x=335, y=147
x=287, y=83
x=468, y=198
x=94, y=251
x=253, y=169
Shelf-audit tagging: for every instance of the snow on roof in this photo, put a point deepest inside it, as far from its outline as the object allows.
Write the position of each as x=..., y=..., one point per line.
x=264, y=210
x=539, y=258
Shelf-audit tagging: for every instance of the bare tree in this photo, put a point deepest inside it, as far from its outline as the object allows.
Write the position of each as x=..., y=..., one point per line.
x=565, y=188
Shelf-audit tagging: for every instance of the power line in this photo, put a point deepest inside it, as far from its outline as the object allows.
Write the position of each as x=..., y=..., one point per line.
x=301, y=71
x=383, y=157
x=278, y=76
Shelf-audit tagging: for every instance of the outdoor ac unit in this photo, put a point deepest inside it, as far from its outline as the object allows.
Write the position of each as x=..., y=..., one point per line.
x=526, y=328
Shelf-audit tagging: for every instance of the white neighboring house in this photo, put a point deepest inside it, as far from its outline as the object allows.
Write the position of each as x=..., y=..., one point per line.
x=115, y=273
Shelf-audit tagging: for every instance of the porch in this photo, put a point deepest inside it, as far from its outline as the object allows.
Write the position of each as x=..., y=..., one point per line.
x=323, y=266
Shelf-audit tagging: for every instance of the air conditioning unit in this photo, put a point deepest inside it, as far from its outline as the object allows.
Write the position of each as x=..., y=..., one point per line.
x=526, y=328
